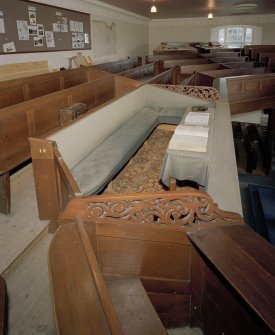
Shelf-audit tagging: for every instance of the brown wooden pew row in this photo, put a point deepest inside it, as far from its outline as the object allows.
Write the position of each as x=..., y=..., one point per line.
x=214, y=50
x=167, y=64
x=198, y=264
x=228, y=59
x=264, y=57
x=255, y=50
x=156, y=58
x=168, y=77
x=119, y=65
x=146, y=239
x=186, y=71
x=222, y=54
x=238, y=65
x=141, y=73
x=206, y=78
x=247, y=93
x=27, y=88
x=41, y=116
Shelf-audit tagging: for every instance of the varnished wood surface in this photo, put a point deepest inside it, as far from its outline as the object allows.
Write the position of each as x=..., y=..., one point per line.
x=248, y=275
x=133, y=307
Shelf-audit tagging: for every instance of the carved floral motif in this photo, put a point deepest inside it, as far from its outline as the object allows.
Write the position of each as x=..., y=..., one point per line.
x=198, y=92
x=176, y=209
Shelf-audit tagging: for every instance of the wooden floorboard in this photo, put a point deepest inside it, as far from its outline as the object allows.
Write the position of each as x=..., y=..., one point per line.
x=22, y=226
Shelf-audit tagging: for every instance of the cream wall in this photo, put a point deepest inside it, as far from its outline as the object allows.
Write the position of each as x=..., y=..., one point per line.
x=131, y=34
x=199, y=29
x=138, y=36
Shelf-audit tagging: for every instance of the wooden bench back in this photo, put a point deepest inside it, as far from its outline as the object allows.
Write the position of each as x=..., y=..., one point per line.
x=167, y=64
x=119, y=65
x=143, y=235
x=248, y=93
x=27, y=88
x=225, y=54
x=206, y=78
x=142, y=73
x=38, y=117
x=264, y=56
x=156, y=58
x=189, y=69
x=255, y=50
x=228, y=59
x=147, y=235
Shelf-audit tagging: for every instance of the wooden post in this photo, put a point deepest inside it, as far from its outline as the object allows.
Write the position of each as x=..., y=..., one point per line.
x=46, y=178
x=5, y=194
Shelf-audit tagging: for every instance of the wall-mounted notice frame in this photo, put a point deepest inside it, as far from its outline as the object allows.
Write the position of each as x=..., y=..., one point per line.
x=27, y=26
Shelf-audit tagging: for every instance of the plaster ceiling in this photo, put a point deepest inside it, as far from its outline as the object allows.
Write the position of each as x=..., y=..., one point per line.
x=168, y=9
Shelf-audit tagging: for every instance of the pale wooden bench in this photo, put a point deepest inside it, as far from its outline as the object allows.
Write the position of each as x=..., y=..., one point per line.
x=86, y=303
x=19, y=70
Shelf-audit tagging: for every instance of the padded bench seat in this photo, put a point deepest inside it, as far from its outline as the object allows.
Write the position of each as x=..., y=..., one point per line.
x=171, y=115
x=95, y=170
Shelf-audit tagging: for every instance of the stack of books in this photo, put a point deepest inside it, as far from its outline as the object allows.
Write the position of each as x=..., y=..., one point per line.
x=192, y=134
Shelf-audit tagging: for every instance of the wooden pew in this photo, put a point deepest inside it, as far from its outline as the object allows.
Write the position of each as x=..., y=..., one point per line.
x=198, y=264
x=142, y=73
x=167, y=64
x=156, y=58
x=153, y=248
x=228, y=59
x=119, y=65
x=27, y=88
x=255, y=50
x=206, y=78
x=238, y=65
x=247, y=93
x=113, y=305
x=222, y=54
x=188, y=70
x=264, y=57
x=41, y=116
x=168, y=77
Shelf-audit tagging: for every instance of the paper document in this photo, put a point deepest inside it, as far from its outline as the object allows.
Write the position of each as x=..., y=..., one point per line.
x=197, y=118
x=183, y=129
x=188, y=143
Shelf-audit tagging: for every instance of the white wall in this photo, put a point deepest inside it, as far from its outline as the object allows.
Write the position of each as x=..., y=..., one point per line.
x=199, y=29
x=132, y=33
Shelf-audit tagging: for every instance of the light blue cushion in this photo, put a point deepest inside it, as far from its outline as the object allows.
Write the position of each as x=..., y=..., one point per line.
x=171, y=115
x=94, y=171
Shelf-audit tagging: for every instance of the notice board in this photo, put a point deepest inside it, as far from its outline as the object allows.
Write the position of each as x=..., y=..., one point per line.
x=27, y=26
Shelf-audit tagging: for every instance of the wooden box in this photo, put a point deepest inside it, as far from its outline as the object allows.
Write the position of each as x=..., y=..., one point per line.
x=72, y=112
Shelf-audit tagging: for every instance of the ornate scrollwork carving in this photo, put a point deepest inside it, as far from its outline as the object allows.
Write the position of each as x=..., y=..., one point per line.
x=198, y=92
x=172, y=209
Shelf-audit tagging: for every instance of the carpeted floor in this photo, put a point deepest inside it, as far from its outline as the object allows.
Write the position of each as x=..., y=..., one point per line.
x=141, y=174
